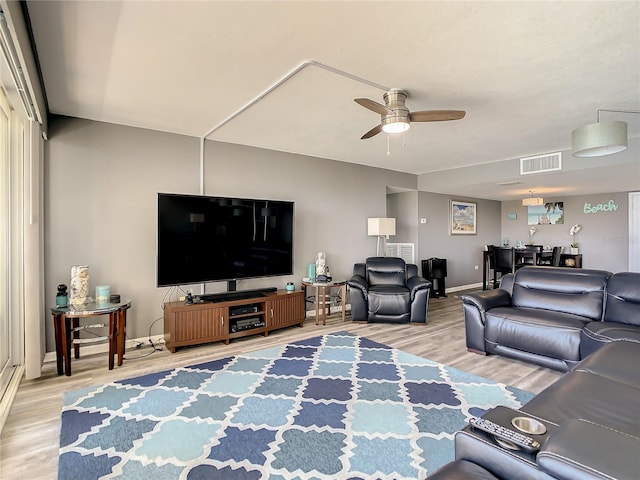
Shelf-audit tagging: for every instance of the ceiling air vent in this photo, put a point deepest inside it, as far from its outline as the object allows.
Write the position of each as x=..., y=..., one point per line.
x=541, y=163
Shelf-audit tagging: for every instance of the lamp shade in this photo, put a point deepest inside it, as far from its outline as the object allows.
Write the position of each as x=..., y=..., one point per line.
x=599, y=139
x=532, y=201
x=381, y=226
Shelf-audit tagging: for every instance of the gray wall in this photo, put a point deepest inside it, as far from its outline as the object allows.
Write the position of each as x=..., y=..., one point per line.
x=101, y=182
x=462, y=252
x=404, y=208
x=603, y=240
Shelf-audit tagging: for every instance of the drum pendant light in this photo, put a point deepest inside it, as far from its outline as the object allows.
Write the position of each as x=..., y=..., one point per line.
x=600, y=138
x=532, y=201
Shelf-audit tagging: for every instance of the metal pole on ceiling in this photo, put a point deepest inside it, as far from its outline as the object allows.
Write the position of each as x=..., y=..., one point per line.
x=267, y=91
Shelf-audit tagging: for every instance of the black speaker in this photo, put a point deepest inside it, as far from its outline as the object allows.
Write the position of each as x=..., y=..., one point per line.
x=435, y=270
x=438, y=267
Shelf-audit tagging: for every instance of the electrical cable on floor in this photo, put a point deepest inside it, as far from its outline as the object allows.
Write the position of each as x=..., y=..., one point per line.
x=154, y=346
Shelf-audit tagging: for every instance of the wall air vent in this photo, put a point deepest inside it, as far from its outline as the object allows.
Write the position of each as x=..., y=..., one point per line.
x=406, y=251
x=548, y=162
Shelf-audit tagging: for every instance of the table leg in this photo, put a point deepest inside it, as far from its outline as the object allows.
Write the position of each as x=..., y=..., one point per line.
x=66, y=345
x=57, y=327
x=484, y=269
x=317, y=303
x=324, y=304
x=76, y=335
x=122, y=328
x=343, y=300
x=113, y=331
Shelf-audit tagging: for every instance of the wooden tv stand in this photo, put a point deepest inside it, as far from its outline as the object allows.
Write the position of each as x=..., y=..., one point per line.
x=222, y=321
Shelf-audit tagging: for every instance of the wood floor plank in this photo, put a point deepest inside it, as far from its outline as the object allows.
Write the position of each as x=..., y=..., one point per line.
x=29, y=440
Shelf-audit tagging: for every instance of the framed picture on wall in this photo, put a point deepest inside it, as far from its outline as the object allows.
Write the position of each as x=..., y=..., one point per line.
x=551, y=213
x=463, y=218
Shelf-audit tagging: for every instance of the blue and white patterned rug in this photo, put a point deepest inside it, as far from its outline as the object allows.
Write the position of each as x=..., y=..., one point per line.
x=335, y=406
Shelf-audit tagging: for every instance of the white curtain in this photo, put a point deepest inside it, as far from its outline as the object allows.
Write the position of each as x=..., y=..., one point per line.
x=33, y=295
x=22, y=123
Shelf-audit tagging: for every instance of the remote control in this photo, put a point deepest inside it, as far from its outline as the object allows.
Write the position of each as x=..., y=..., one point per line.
x=528, y=444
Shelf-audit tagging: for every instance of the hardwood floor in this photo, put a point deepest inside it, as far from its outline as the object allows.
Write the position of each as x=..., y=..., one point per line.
x=29, y=440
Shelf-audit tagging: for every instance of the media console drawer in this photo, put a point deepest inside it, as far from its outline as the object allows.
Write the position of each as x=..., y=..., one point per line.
x=222, y=321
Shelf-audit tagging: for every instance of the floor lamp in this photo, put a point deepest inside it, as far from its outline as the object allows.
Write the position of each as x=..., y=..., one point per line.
x=381, y=228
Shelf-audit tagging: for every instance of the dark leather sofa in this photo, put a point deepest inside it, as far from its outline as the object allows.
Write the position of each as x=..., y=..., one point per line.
x=551, y=316
x=386, y=289
x=593, y=417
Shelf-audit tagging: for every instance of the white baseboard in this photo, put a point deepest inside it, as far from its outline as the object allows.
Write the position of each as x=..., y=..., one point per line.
x=130, y=344
x=463, y=287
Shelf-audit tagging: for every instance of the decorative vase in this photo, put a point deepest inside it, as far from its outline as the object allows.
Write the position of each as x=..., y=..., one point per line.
x=321, y=262
x=103, y=292
x=311, y=272
x=574, y=250
x=79, y=290
x=62, y=298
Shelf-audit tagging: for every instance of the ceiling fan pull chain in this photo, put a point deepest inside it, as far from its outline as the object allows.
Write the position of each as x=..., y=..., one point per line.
x=388, y=149
x=403, y=138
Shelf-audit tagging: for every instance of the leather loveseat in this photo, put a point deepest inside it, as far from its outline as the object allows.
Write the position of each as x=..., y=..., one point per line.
x=551, y=316
x=386, y=289
x=593, y=418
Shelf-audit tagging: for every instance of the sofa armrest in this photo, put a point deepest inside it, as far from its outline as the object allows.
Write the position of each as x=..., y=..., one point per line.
x=419, y=300
x=358, y=283
x=583, y=450
x=474, y=307
x=487, y=299
x=358, y=298
x=416, y=284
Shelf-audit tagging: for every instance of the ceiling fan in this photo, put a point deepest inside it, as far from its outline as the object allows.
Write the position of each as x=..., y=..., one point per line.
x=396, y=117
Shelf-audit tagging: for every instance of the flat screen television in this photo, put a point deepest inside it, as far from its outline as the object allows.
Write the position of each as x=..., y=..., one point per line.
x=208, y=239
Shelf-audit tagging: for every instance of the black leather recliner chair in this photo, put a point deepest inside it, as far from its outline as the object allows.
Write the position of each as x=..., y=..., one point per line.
x=386, y=289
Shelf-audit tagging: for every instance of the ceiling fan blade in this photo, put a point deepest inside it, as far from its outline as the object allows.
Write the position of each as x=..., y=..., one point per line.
x=436, y=115
x=373, y=106
x=374, y=131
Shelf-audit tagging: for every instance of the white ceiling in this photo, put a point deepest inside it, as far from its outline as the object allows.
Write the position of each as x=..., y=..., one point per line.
x=527, y=73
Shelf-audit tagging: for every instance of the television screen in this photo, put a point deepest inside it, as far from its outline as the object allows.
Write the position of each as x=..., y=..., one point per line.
x=207, y=239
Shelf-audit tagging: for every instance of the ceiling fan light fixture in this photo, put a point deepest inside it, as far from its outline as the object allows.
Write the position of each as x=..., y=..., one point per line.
x=396, y=126
x=599, y=139
x=395, y=117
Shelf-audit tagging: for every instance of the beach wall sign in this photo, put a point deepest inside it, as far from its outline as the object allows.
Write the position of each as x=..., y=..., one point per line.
x=610, y=206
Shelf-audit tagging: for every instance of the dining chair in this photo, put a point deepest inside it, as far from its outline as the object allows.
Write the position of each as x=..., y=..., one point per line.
x=527, y=257
x=503, y=262
x=551, y=259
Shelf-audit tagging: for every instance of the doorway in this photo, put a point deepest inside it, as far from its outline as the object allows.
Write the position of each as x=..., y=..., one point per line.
x=634, y=232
